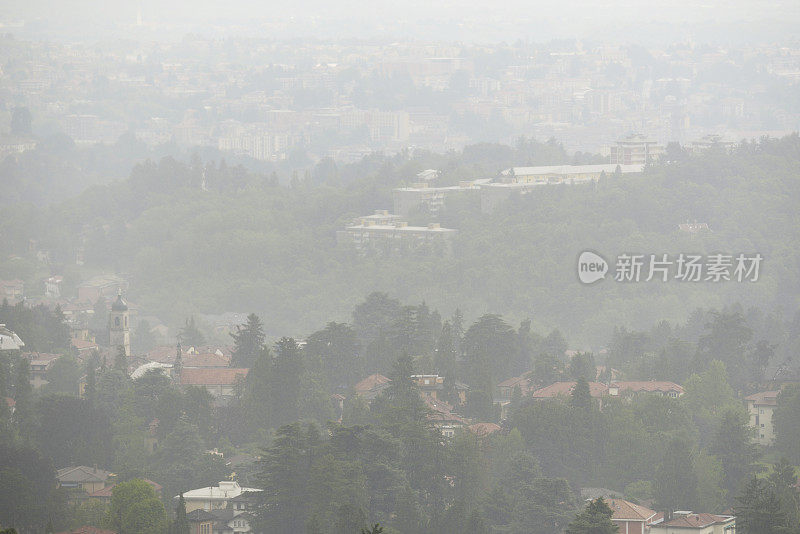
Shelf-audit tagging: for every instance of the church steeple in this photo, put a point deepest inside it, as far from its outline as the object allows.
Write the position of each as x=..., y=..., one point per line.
x=119, y=334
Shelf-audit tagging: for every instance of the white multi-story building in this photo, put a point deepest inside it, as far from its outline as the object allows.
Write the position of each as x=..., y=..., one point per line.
x=760, y=406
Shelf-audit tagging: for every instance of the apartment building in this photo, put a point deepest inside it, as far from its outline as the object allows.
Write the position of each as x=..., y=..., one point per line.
x=636, y=149
x=387, y=235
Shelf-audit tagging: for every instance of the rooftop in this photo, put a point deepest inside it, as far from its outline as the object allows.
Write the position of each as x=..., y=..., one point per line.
x=596, y=389
x=225, y=490
x=608, y=168
x=371, y=382
x=626, y=510
x=82, y=473
x=764, y=398
x=212, y=377
x=694, y=521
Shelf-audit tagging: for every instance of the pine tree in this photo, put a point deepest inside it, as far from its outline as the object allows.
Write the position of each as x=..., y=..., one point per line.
x=594, y=519
x=248, y=341
x=190, y=334
x=759, y=509
x=581, y=394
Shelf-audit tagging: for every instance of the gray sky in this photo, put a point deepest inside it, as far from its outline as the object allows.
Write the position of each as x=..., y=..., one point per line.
x=645, y=21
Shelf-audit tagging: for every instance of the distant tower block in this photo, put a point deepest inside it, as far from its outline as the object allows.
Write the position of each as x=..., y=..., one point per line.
x=139, y=15
x=119, y=334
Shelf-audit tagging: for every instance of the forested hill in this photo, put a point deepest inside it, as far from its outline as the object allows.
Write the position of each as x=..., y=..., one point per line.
x=206, y=238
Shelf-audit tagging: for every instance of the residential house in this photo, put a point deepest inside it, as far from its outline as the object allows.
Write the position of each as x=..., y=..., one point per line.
x=429, y=385
x=648, y=387
x=12, y=290
x=505, y=390
x=760, y=406
x=691, y=523
x=107, y=286
x=39, y=364
x=442, y=417
x=82, y=481
x=372, y=386
x=230, y=521
x=629, y=517
x=104, y=495
x=200, y=521
x=220, y=383
x=213, y=497
x=84, y=347
x=564, y=389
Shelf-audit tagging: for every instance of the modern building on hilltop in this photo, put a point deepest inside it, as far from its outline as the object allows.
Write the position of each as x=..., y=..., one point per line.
x=407, y=199
x=523, y=180
x=384, y=234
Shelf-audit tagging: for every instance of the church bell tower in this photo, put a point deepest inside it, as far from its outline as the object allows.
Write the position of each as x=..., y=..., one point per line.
x=119, y=334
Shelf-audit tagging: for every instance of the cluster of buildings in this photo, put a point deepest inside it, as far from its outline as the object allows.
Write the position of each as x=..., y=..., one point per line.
x=389, y=233
x=632, y=518
x=343, y=100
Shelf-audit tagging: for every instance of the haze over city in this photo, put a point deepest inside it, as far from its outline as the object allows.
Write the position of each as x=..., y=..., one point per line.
x=399, y=268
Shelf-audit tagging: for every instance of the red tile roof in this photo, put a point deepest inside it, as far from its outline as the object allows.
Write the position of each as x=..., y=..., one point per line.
x=696, y=521
x=208, y=359
x=212, y=377
x=764, y=398
x=596, y=389
x=484, y=429
x=628, y=511
x=83, y=344
x=370, y=382
x=162, y=354
x=522, y=381
x=648, y=386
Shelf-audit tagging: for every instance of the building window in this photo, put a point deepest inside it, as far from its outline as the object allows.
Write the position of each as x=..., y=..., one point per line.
x=761, y=411
x=116, y=321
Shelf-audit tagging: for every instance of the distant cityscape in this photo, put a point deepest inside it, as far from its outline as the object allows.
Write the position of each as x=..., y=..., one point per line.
x=269, y=100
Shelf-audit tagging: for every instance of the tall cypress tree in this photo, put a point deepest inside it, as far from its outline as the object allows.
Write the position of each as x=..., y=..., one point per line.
x=248, y=342
x=180, y=525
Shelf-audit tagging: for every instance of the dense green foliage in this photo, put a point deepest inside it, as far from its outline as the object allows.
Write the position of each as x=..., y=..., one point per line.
x=248, y=243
